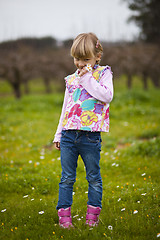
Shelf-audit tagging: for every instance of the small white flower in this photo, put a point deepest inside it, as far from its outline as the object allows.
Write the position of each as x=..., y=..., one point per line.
x=135, y=211
x=3, y=210
x=143, y=194
x=11, y=162
x=32, y=199
x=25, y=196
x=40, y=199
x=106, y=153
x=158, y=235
x=41, y=212
x=118, y=186
x=75, y=216
x=110, y=227
x=117, y=165
x=86, y=192
x=30, y=161
x=113, y=164
x=42, y=157
x=32, y=188
x=133, y=185
x=79, y=219
x=58, y=158
x=138, y=201
x=119, y=199
x=73, y=193
x=88, y=67
x=42, y=151
x=115, y=151
x=37, y=163
x=123, y=209
x=143, y=174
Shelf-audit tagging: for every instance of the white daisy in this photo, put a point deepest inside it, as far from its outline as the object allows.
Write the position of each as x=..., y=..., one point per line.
x=123, y=209
x=25, y=196
x=41, y=212
x=135, y=211
x=143, y=174
x=89, y=68
x=3, y=210
x=110, y=227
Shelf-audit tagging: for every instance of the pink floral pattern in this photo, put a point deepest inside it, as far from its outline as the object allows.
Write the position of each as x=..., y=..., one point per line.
x=84, y=95
x=75, y=110
x=84, y=112
x=75, y=124
x=98, y=108
x=88, y=117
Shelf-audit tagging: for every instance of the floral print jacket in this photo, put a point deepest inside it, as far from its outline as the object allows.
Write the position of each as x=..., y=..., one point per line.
x=86, y=102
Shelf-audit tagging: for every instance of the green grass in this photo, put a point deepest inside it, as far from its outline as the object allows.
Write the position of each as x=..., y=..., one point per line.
x=30, y=168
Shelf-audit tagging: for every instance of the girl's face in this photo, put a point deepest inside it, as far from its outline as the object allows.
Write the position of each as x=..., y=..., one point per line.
x=80, y=63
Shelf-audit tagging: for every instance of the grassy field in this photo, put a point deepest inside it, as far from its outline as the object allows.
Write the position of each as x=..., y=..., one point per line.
x=30, y=168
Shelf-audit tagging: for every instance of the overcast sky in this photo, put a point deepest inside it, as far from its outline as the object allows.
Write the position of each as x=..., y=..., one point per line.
x=65, y=19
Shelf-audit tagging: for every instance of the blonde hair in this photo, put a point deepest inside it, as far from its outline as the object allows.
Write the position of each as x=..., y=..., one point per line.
x=86, y=45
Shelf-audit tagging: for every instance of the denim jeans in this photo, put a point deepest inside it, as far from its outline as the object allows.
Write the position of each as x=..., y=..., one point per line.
x=88, y=146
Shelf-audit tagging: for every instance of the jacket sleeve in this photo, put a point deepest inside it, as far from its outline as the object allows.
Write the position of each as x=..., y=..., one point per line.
x=102, y=90
x=57, y=136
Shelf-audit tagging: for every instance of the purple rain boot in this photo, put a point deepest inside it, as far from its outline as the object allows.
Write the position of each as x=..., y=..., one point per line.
x=65, y=219
x=92, y=216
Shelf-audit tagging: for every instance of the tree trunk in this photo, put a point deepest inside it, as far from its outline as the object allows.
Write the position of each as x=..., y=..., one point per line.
x=16, y=84
x=17, y=91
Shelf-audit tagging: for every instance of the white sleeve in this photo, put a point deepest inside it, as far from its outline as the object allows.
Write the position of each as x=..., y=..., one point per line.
x=102, y=90
x=57, y=136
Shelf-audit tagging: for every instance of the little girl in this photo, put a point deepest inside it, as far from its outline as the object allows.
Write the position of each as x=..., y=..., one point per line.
x=85, y=114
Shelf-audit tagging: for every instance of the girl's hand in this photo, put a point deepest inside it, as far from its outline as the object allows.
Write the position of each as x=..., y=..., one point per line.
x=57, y=145
x=82, y=71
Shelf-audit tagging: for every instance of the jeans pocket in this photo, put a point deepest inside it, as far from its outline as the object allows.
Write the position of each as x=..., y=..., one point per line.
x=94, y=137
x=63, y=133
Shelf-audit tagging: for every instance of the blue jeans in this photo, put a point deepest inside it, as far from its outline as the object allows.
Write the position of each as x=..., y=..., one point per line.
x=88, y=145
